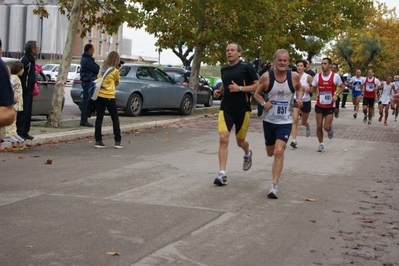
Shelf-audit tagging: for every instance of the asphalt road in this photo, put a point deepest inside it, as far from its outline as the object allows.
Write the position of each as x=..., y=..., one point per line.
x=154, y=202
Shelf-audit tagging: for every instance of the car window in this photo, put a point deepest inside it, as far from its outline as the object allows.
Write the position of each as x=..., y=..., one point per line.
x=161, y=75
x=124, y=71
x=144, y=73
x=72, y=68
x=181, y=79
x=48, y=67
x=174, y=75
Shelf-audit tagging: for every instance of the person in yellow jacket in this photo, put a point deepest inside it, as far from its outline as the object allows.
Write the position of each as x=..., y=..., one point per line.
x=106, y=99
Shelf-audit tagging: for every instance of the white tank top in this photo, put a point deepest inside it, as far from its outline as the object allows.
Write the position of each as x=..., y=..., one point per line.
x=306, y=85
x=386, y=93
x=282, y=100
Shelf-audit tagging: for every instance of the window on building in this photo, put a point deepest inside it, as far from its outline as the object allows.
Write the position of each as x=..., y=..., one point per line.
x=100, y=47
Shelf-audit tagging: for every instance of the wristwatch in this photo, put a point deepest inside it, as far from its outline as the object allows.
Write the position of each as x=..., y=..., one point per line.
x=336, y=94
x=263, y=104
x=240, y=88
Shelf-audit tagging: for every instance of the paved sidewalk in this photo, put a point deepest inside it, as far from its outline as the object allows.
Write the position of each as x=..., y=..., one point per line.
x=71, y=130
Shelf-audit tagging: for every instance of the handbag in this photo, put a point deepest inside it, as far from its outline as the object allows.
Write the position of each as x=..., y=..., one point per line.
x=36, y=89
x=95, y=85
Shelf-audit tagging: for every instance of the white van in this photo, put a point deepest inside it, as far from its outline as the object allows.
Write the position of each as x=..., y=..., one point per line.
x=73, y=70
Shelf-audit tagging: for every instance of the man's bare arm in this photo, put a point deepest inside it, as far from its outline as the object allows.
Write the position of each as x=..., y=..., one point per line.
x=7, y=115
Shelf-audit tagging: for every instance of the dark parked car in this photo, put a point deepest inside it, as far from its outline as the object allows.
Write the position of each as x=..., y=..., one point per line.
x=145, y=87
x=42, y=103
x=204, y=94
x=174, y=72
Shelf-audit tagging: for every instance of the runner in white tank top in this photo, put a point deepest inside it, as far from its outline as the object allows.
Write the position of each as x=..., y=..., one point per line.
x=387, y=90
x=280, y=84
x=306, y=81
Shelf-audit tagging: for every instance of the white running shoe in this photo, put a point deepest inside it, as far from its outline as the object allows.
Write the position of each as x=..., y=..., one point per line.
x=321, y=147
x=220, y=180
x=247, y=161
x=12, y=139
x=273, y=192
x=19, y=139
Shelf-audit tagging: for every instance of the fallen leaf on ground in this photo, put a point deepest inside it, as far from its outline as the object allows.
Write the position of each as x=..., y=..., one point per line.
x=49, y=161
x=29, y=246
x=311, y=200
x=368, y=221
x=113, y=253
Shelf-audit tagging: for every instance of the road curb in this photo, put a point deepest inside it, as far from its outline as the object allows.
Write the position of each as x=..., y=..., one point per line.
x=85, y=133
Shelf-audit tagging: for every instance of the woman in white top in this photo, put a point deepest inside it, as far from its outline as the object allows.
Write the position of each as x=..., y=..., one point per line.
x=306, y=80
x=387, y=91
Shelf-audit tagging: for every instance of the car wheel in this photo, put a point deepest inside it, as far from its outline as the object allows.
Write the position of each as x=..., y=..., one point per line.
x=134, y=105
x=210, y=101
x=186, y=106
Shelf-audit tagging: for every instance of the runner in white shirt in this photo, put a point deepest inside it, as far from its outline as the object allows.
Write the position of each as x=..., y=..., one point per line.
x=306, y=81
x=387, y=91
x=356, y=85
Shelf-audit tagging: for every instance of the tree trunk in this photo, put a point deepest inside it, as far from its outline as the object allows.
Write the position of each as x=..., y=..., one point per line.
x=195, y=69
x=55, y=114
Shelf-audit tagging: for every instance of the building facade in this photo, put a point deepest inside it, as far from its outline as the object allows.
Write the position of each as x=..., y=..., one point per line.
x=18, y=25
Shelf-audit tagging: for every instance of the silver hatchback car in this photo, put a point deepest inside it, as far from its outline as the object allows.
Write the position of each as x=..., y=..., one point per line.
x=145, y=88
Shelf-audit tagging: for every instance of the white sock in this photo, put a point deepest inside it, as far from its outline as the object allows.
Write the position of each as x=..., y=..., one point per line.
x=222, y=172
x=247, y=155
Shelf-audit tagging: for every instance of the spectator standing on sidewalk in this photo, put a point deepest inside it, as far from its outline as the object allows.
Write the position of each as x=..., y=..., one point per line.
x=306, y=81
x=17, y=69
x=28, y=80
x=88, y=72
x=371, y=85
x=106, y=100
x=326, y=83
x=280, y=84
x=239, y=79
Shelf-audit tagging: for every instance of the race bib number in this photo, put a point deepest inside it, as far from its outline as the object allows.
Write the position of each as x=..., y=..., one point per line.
x=357, y=87
x=370, y=87
x=280, y=109
x=325, y=97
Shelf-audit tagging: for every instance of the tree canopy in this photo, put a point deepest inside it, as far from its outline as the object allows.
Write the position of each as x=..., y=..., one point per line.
x=260, y=26
x=375, y=45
